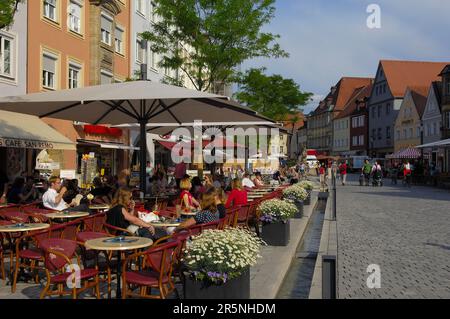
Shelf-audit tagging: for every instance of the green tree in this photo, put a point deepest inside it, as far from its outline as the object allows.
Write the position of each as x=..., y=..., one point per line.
x=208, y=39
x=272, y=96
x=7, y=10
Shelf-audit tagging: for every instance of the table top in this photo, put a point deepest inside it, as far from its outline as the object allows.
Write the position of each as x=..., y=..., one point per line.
x=114, y=244
x=99, y=207
x=62, y=215
x=188, y=214
x=165, y=224
x=23, y=227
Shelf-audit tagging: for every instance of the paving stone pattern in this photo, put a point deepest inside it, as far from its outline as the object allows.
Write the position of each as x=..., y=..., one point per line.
x=404, y=231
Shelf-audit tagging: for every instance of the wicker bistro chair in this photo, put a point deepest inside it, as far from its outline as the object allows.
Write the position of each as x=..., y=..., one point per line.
x=92, y=256
x=29, y=254
x=58, y=254
x=243, y=215
x=152, y=271
x=94, y=223
x=3, y=251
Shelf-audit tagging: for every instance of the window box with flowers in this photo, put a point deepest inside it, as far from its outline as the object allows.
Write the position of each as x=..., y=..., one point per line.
x=275, y=214
x=218, y=264
x=308, y=186
x=296, y=195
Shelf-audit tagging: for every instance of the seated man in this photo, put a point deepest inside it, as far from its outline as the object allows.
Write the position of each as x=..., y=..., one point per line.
x=247, y=182
x=53, y=197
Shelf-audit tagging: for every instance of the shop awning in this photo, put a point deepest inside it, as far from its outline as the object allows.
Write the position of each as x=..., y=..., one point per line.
x=408, y=153
x=26, y=131
x=438, y=144
x=115, y=146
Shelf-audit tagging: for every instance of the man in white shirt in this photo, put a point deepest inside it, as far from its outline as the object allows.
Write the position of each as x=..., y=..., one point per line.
x=53, y=197
x=247, y=182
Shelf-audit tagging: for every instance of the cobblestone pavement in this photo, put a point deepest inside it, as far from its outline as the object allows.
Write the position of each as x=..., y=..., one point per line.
x=404, y=231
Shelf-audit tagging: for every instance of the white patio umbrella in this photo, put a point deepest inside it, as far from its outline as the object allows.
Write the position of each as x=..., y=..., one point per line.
x=139, y=102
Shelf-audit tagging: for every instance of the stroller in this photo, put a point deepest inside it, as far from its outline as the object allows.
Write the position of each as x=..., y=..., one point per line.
x=377, y=179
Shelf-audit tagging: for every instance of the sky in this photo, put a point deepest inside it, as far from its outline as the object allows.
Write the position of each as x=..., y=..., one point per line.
x=328, y=39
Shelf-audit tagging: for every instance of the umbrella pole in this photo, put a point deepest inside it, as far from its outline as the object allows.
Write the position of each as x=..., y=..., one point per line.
x=143, y=156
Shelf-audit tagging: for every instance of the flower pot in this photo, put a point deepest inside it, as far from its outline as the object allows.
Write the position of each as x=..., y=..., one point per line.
x=276, y=234
x=299, y=213
x=237, y=288
x=307, y=201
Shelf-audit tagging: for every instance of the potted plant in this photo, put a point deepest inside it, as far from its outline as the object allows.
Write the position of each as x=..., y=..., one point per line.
x=297, y=195
x=275, y=214
x=218, y=264
x=308, y=186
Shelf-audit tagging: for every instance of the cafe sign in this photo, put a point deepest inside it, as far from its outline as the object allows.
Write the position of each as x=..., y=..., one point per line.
x=19, y=143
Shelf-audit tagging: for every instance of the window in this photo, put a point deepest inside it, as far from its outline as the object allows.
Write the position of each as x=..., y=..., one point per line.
x=74, y=75
x=380, y=134
x=428, y=129
x=410, y=132
x=355, y=141
x=49, y=62
x=141, y=50
x=106, y=77
x=397, y=135
x=388, y=108
x=384, y=88
x=106, y=28
x=373, y=111
x=361, y=121
x=404, y=134
x=119, y=40
x=6, y=55
x=379, y=111
x=448, y=85
x=50, y=9
x=388, y=132
x=361, y=140
x=140, y=6
x=354, y=122
x=435, y=128
x=374, y=133
x=75, y=9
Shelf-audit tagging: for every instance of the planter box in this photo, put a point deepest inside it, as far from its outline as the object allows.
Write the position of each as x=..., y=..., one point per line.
x=299, y=205
x=238, y=288
x=277, y=234
x=307, y=201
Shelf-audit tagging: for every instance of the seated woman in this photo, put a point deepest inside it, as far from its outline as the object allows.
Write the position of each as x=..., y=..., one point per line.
x=122, y=215
x=187, y=200
x=238, y=195
x=197, y=187
x=258, y=181
x=212, y=208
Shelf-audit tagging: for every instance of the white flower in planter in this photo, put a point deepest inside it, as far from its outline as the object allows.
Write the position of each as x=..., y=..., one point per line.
x=276, y=210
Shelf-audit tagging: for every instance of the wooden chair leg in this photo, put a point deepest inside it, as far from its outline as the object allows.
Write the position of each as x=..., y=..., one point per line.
x=2, y=265
x=97, y=286
x=16, y=273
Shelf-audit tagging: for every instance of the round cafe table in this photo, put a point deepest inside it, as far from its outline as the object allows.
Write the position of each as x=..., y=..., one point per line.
x=99, y=207
x=118, y=244
x=67, y=215
x=19, y=227
x=165, y=224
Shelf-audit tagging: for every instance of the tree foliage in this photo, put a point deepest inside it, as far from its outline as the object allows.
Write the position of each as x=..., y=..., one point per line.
x=208, y=39
x=272, y=96
x=7, y=10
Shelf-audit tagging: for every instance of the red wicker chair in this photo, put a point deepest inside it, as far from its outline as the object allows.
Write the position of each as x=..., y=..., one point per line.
x=95, y=222
x=59, y=254
x=156, y=271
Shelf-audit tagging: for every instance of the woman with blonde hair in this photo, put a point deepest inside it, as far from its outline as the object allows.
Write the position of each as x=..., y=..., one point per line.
x=123, y=215
x=238, y=195
x=210, y=212
x=187, y=200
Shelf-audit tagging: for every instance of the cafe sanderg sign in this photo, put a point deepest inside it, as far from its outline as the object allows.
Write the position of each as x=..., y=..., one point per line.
x=18, y=143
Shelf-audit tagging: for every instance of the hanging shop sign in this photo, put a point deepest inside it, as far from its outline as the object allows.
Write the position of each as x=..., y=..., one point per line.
x=19, y=143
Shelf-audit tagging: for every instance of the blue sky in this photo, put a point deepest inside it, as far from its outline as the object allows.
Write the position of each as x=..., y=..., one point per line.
x=328, y=39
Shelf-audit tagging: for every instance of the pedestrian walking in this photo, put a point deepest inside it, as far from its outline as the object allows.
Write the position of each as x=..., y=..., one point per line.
x=323, y=182
x=343, y=172
x=377, y=174
x=407, y=174
x=366, y=170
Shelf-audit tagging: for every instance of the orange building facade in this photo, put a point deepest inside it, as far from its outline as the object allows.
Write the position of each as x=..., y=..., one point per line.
x=77, y=43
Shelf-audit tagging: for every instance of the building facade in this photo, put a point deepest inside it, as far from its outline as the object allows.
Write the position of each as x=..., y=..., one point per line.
x=359, y=129
x=408, y=125
x=320, y=122
x=432, y=117
x=77, y=43
x=391, y=80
